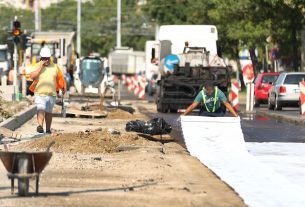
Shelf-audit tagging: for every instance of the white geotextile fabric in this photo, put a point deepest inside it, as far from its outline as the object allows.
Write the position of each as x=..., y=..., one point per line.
x=287, y=159
x=219, y=144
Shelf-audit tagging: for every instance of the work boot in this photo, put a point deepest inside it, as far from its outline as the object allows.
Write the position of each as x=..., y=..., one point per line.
x=40, y=129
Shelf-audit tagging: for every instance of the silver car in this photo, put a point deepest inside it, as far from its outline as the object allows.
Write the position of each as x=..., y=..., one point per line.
x=285, y=91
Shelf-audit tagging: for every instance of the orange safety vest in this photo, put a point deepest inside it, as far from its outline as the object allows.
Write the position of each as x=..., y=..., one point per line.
x=60, y=81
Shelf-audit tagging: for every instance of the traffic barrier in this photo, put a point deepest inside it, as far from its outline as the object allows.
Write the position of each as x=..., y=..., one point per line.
x=135, y=85
x=302, y=97
x=124, y=81
x=129, y=83
x=235, y=94
x=142, y=88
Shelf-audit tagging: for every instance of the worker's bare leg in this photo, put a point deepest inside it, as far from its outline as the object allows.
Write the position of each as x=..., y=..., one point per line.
x=48, y=118
x=40, y=117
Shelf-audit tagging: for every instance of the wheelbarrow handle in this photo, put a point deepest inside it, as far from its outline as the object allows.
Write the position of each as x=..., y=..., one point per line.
x=50, y=145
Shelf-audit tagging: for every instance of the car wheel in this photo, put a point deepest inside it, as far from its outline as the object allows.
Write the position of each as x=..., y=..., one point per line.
x=278, y=105
x=270, y=105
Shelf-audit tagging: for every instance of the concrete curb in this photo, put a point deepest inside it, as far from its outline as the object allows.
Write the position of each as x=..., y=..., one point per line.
x=291, y=119
x=19, y=119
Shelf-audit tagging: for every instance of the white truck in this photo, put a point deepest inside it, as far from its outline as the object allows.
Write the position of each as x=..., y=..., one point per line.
x=5, y=60
x=126, y=61
x=60, y=44
x=187, y=57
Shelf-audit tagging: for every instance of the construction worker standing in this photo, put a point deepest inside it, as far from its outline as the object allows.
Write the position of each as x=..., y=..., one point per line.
x=210, y=98
x=48, y=79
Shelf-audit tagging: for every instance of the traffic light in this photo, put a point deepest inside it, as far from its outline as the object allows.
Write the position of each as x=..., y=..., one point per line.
x=16, y=31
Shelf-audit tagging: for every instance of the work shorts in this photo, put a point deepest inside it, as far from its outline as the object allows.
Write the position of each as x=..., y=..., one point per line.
x=45, y=103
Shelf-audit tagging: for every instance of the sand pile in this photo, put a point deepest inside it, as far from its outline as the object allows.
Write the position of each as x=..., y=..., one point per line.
x=86, y=142
x=120, y=114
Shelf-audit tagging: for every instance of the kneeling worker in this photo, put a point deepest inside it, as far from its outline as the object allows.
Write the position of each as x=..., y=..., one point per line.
x=211, y=98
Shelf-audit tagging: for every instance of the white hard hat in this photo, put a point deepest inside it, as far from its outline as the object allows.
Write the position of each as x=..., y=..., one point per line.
x=45, y=52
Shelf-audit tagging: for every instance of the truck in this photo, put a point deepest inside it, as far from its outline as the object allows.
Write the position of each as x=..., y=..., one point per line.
x=5, y=60
x=62, y=50
x=126, y=61
x=187, y=57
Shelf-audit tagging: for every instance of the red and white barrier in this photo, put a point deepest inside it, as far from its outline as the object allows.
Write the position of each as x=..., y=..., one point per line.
x=136, y=88
x=136, y=84
x=302, y=97
x=124, y=79
x=129, y=83
x=235, y=94
x=142, y=88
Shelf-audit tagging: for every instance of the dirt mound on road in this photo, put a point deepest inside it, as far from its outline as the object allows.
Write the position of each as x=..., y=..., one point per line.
x=86, y=142
x=120, y=114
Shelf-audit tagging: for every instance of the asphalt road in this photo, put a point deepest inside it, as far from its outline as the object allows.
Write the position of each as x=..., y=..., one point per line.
x=255, y=128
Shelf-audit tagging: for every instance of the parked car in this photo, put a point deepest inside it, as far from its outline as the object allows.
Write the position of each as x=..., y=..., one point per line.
x=262, y=84
x=285, y=91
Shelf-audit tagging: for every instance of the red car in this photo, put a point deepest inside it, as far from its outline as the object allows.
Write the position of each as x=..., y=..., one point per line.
x=262, y=84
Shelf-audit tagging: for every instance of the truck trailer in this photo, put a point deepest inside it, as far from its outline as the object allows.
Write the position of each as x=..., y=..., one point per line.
x=126, y=61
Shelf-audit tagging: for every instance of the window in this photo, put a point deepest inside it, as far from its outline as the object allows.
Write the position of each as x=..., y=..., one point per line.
x=37, y=47
x=3, y=55
x=294, y=79
x=92, y=71
x=269, y=78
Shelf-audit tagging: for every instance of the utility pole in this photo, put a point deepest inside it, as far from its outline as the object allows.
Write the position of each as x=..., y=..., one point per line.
x=37, y=16
x=157, y=31
x=118, y=34
x=15, y=58
x=79, y=3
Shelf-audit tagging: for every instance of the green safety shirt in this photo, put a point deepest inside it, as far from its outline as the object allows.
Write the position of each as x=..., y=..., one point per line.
x=211, y=103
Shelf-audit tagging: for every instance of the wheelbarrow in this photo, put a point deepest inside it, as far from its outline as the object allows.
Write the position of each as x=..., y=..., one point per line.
x=24, y=166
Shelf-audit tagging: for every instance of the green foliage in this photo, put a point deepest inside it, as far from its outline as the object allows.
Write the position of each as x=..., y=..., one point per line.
x=240, y=23
x=98, y=26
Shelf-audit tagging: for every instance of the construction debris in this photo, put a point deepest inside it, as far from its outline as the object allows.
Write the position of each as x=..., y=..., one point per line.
x=87, y=142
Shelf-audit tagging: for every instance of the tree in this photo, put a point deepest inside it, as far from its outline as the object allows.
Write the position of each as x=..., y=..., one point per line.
x=99, y=24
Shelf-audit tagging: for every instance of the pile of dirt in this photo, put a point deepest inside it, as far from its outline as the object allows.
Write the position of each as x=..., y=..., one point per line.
x=102, y=141
x=120, y=114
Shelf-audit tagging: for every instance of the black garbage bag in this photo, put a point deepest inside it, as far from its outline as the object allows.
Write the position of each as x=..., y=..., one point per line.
x=155, y=126
x=135, y=126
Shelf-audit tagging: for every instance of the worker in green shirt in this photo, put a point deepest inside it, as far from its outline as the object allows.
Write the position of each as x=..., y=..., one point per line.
x=210, y=98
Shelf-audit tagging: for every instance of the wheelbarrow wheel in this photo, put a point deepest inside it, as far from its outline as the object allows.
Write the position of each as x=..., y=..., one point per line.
x=23, y=183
